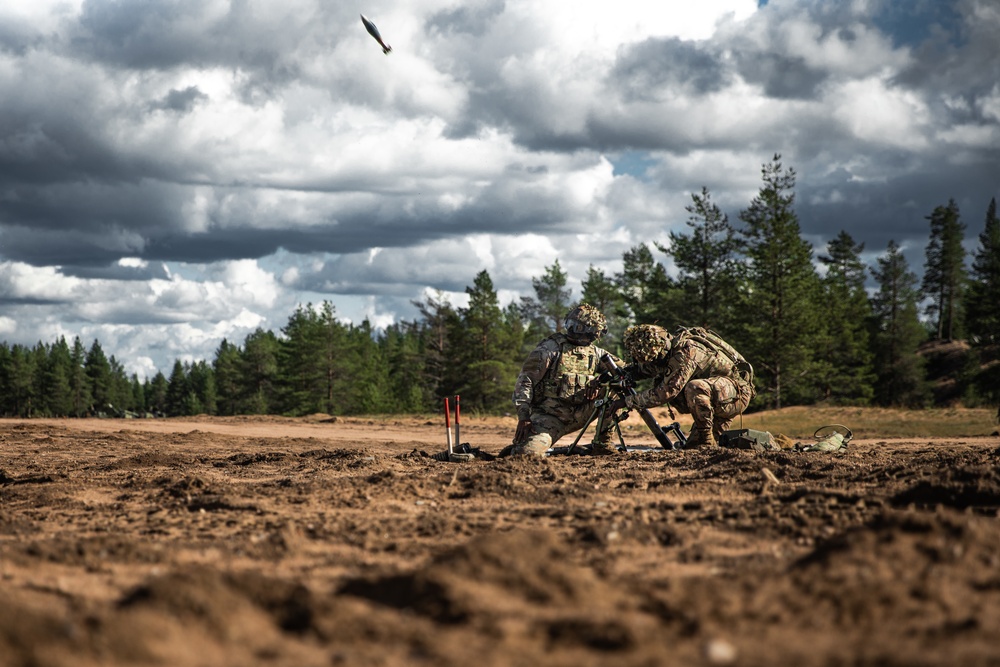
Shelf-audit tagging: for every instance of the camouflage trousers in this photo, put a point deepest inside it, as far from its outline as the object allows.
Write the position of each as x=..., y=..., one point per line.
x=549, y=428
x=715, y=402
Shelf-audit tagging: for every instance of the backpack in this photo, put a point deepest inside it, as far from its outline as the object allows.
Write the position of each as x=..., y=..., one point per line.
x=713, y=341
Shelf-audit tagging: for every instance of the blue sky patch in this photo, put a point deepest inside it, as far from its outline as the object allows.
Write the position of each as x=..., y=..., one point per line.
x=633, y=163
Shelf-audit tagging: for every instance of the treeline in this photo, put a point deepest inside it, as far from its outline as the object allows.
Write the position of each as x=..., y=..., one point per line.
x=812, y=330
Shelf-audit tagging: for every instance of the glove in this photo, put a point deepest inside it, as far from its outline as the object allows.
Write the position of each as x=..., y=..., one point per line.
x=524, y=431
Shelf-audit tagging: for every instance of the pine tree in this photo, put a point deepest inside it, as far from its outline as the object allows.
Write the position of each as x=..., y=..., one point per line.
x=259, y=372
x=440, y=319
x=156, y=394
x=849, y=373
x=139, y=393
x=982, y=310
x=485, y=348
x=98, y=370
x=402, y=348
x=782, y=317
x=18, y=373
x=708, y=263
x=329, y=340
x=646, y=288
x=364, y=383
x=202, y=394
x=81, y=395
x=228, y=381
x=177, y=391
x=897, y=333
x=120, y=389
x=312, y=361
x=944, y=272
x=55, y=380
x=548, y=307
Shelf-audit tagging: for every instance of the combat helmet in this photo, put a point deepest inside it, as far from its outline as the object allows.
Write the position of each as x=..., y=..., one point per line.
x=585, y=324
x=646, y=342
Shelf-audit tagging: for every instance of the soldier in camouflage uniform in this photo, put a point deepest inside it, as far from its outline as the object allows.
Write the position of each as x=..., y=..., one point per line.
x=695, y=371
x=555, y=391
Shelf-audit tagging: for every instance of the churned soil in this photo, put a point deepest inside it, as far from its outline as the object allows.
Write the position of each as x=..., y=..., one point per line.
x=316, y=541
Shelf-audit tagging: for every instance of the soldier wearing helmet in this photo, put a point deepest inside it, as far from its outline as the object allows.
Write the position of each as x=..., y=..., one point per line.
x=695, y=371
x=555, y=391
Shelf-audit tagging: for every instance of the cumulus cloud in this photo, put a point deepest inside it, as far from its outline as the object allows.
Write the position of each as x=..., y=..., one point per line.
x=178, y=171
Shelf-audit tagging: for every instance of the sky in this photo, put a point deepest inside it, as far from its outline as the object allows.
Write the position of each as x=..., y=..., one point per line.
x=177, y=172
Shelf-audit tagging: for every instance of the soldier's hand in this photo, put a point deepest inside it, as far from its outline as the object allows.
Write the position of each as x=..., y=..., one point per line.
x=524, y=430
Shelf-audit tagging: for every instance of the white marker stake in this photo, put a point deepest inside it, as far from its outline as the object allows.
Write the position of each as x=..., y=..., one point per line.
x=447, y=425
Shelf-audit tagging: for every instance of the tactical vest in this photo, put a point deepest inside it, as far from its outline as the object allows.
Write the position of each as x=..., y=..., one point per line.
x=726, y=360
x=568, y=378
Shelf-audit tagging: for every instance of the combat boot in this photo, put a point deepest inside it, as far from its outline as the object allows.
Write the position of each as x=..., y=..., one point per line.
x=601, y=448
x=701, y=437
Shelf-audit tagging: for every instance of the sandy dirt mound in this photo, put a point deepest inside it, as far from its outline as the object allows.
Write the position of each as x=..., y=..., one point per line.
x=325, y=542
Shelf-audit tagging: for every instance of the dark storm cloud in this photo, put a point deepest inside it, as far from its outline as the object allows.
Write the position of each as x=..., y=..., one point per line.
x=66, y=247
x=9, y=300
x=16, y=37
x=85, y=223
x=958, y=58
x=153, y=271
x=643, y=71
x=264, y=45
x=62, y=169
x=896, y=209
x=48, y=146
x=181, y=101
x=174, y=33
x=782, y=77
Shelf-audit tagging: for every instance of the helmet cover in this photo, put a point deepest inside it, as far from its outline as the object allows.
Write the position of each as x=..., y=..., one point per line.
x=646, y=342
x=585, y=322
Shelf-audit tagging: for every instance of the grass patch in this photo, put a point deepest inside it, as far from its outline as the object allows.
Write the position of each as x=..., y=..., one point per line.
x=802, y=421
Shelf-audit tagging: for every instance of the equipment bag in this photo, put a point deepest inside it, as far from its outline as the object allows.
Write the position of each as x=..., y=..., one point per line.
x=715, y=342
x=748, y=438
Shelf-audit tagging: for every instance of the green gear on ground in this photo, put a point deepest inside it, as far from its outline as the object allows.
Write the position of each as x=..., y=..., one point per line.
x=831, y=443
x=645, y=342
x=748, y=438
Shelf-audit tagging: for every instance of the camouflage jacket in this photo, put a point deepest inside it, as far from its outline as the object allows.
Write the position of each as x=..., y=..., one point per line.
x=688, y=360
x=555, y=374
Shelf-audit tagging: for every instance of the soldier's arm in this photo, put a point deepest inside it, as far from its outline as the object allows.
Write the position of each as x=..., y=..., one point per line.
x=679, y=371
x=532, y=372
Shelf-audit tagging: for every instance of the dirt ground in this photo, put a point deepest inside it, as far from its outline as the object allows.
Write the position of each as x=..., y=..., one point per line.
x=340, y=542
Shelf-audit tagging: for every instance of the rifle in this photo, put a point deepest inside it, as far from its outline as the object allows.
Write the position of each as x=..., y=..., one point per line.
x=626, y=385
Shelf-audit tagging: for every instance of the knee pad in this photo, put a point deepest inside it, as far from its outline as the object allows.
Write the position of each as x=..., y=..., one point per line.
x=536, y=445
